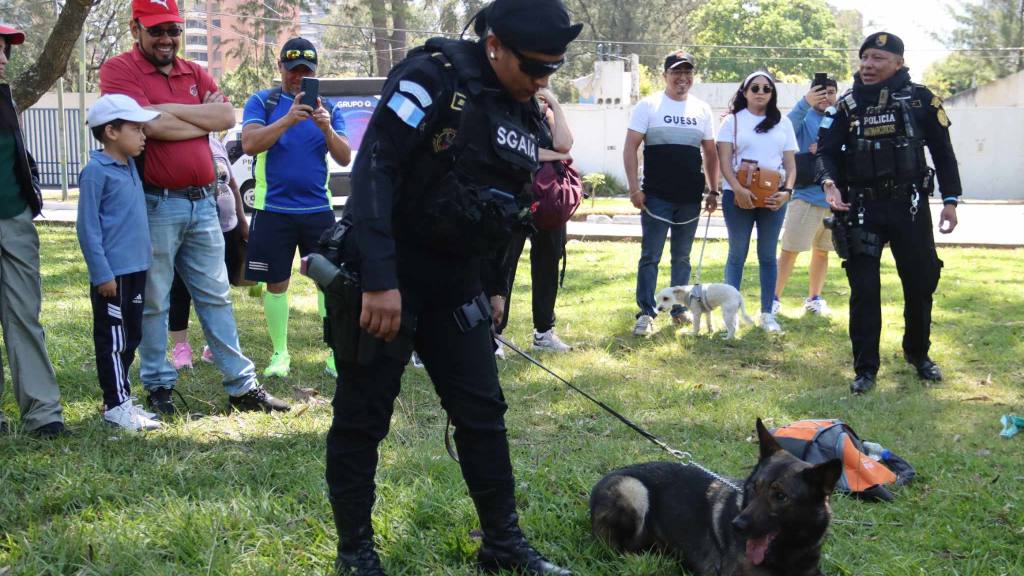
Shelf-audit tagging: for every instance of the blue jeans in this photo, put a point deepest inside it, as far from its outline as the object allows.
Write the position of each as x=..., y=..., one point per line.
x=653, y=243
x=740, y=222
x=186, y=235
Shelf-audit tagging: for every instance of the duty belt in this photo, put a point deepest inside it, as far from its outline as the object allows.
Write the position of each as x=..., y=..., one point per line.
x=884, y=192
x=192, y=193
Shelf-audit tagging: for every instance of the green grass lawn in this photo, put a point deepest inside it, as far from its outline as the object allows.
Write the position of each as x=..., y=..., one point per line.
x=245, y=495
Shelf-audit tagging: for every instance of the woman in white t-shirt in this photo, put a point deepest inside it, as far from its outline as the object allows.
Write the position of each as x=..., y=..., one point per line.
x=755, y=130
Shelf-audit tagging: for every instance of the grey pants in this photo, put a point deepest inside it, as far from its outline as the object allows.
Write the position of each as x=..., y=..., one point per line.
x=35, y=384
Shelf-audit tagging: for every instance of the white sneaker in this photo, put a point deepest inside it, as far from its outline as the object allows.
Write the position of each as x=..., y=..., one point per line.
x=416, y=362
x=499, y=350
x=549, y=341
x=644, y=326
x=817, y=305
x=776, y=306
x=770, y=324
x=142, y=411
x=126, y=416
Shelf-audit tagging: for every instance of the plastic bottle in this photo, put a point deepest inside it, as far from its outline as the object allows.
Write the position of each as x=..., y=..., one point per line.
x=876, y=451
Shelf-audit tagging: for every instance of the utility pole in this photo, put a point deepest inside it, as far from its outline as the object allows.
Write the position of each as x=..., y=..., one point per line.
x=62, y=143
x=83, y=131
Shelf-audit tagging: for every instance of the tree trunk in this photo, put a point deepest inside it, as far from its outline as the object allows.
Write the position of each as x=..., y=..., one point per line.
x=379, y=19
x=399, y=37
x=31, y=84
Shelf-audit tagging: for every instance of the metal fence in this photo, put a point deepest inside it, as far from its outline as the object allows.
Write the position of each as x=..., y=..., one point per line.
x=41, y=139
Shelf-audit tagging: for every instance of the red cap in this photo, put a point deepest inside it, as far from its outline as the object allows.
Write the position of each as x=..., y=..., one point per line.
x=154, y=12
x=12, y=35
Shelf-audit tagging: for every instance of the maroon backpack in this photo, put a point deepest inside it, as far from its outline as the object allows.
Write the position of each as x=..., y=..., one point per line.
x=557, y=193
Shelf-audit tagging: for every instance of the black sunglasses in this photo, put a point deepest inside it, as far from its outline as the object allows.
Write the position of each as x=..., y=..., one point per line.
x=157, y=32
x=757, y=89
x=536, y=68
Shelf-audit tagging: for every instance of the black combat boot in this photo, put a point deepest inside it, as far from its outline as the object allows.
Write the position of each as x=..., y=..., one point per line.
x=356, y=556
x=504, y=546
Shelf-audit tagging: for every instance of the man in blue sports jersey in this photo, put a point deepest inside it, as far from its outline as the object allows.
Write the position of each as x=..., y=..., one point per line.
x=290, y=142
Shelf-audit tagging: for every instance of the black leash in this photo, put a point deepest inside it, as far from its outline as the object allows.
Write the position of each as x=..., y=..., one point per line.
x=685, y=457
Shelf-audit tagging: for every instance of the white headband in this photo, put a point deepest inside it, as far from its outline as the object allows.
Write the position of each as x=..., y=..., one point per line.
x=748, y=79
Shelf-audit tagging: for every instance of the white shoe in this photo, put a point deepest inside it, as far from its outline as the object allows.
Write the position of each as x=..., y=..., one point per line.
x=817, y=305
x=644, y=326
x=770, y=324
x=549, y=341
x=499, y=350
x=126, y=416
x=416, y=362
x=142, y=411
x=776, y=306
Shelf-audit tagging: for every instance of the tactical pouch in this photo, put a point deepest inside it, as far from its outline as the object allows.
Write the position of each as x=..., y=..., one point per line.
x=883, y=159
x=864, y=243
x=859, y=167
x=927, y=186
x=910, y=161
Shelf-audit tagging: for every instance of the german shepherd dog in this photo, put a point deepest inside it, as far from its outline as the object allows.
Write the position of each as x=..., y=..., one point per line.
x=774, y=527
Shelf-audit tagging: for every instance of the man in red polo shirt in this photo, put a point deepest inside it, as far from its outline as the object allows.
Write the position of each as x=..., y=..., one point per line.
x=178, y=178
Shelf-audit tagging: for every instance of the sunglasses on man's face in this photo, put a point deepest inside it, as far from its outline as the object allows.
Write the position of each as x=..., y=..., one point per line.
x=757, y=89
x=536, y=68
x=170, y=31
x=290, y=55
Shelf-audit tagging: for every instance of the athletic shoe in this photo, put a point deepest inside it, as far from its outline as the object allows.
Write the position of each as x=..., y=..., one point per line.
x=126, y=416
x=549, y=341
x=258, y=400
x=776, y=306
x=770, y=324
x=280, y=365
x=499, y=350
x=644, y=327
x=329, y=368
x=416, y=362
x=140, y=410
x=682, y=319
x=207, y=355
x=160, y=402
x=181, y=356
x=817, y=305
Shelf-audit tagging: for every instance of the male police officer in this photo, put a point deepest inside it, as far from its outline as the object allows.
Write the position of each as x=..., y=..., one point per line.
x=448, y=158
x=872, y=147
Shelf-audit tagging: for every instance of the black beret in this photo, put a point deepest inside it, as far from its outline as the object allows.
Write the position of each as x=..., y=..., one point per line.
x=883, y=41
x=535, y=25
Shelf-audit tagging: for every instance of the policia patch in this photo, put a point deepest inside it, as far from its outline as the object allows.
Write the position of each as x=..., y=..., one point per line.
x=880, y=124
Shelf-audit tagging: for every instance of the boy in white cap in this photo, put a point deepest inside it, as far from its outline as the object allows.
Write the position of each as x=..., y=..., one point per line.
x=113, y=232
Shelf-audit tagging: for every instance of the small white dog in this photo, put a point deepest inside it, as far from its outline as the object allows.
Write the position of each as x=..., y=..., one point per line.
x=702, y=302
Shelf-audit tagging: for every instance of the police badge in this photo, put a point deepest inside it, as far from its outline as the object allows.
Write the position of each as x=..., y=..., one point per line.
x=882, y=40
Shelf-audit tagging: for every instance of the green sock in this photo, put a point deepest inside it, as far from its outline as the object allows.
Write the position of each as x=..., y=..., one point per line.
x=275, y=307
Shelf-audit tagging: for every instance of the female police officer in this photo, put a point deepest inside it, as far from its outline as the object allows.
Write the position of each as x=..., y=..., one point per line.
x=437, y=190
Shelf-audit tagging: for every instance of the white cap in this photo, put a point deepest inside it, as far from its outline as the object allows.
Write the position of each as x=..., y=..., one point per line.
x=117, y=107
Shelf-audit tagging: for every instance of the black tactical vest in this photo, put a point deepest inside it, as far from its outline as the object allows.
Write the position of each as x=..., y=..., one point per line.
x=468, y=190
x=884, y=148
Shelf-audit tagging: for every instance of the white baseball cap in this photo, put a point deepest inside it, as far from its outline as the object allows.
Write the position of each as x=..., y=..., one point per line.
x=117, y=107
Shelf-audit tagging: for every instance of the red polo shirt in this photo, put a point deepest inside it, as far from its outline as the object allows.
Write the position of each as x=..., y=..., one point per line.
x=167, y=164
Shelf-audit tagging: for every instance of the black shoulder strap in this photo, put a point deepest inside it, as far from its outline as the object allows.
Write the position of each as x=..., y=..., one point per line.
x=271, y=102
x=460, y=55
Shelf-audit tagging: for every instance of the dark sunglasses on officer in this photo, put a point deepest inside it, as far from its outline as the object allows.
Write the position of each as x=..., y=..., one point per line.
x=535, y=68
x=290, y=55
x=158, y=32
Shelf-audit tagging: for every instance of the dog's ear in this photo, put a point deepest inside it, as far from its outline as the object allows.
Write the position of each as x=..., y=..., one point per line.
x=768, y=443
x=825, y=475
x=679, y=293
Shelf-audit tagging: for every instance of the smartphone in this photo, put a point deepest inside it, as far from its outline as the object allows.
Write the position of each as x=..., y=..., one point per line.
x=311, y=87
x=820, y=78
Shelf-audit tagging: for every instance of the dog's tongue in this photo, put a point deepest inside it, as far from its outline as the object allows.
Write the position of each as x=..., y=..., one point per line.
x=758, y=547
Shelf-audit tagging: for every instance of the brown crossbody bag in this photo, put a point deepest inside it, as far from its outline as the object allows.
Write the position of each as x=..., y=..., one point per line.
x=762, y=182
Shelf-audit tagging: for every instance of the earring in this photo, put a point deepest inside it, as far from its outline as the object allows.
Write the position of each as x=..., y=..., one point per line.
x=492, y=56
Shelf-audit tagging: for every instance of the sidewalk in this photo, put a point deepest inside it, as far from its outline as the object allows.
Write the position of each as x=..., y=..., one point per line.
x=990, y=224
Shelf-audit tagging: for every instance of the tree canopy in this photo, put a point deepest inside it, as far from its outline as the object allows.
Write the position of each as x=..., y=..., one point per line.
x=796, y=38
